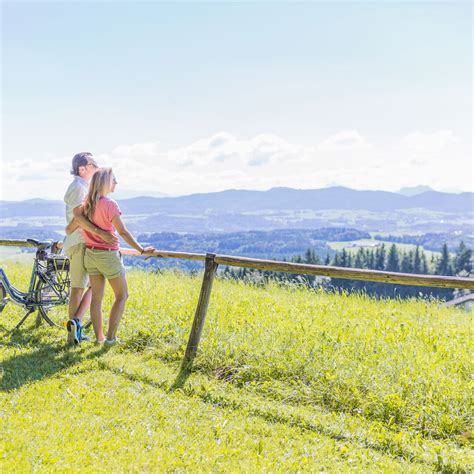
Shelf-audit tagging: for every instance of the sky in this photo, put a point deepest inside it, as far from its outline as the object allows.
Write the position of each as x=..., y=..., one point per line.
x=191, y=97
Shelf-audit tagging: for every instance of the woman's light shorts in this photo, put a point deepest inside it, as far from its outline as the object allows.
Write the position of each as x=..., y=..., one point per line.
x=104, y=262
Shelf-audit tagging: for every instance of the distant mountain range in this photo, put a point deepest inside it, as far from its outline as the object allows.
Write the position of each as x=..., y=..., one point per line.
x=278, y=208
x=277, y=199
x=413, y=191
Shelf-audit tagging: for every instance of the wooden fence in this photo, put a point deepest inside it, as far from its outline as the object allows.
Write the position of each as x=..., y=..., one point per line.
x=212, y=261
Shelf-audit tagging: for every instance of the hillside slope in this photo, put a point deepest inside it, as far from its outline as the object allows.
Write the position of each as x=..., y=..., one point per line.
x=285, y=379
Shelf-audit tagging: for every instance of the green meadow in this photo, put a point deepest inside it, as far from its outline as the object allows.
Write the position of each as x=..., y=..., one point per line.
x=286, y=380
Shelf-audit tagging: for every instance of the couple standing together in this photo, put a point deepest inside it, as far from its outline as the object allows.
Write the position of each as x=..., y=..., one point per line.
x=92, y=246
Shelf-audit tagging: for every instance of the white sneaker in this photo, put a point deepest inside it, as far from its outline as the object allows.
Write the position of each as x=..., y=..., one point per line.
x=72, y=337
x=112, y=341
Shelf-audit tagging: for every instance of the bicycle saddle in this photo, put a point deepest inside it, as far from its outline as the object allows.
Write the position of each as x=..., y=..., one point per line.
x=41, y=244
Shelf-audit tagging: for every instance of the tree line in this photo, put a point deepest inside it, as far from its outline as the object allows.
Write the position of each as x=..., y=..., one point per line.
x=429, y=241
x=392, y=259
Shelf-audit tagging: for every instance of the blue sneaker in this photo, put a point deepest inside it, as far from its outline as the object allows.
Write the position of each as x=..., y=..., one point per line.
x=79, y=336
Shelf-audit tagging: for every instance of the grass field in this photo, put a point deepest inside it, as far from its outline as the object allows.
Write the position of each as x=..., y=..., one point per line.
x=286, y=379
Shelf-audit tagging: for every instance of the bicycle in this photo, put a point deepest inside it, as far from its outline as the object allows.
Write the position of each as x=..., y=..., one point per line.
x=49, y=286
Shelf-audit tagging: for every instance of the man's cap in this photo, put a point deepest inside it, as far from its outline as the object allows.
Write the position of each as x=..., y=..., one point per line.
x=82, y=159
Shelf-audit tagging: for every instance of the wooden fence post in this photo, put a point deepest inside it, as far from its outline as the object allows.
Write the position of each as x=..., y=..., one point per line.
x=200, y=316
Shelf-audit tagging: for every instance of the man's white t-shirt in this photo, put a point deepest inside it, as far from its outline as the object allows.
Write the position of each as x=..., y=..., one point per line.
x=74, y=197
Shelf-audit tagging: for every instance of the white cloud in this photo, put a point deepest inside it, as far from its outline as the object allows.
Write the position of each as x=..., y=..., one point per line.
x=221, y=139
x=224, y=161
x=344, y=141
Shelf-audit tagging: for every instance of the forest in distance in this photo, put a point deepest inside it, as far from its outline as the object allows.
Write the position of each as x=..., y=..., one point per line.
x=279, y=243
x=383, y=258
x=374, y=254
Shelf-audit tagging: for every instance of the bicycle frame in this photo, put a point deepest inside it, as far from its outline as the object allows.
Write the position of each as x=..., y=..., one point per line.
x=29, y=298
x=49, y=284
x=18, y=297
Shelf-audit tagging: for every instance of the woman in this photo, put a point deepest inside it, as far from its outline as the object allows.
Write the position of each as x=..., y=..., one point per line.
x=103, y=260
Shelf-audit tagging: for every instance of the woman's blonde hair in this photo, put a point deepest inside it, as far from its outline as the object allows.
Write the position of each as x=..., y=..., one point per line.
x=100, y=185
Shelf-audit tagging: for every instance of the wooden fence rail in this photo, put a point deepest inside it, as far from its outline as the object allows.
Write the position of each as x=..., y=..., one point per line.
x=212, y=261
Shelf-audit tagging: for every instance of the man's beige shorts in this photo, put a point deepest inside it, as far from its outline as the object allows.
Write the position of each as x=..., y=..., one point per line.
x=77, y=272
x=104, y=262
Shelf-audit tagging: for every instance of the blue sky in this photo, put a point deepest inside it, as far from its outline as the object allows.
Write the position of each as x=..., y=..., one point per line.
x=199, y=97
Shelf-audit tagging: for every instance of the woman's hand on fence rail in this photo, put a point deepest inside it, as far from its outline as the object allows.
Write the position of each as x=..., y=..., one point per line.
x=165, y=254
x=148, y=251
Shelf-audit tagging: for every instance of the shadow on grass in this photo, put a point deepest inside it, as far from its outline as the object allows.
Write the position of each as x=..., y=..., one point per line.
x=42, y=360
x=271, y=416
x=181, y=378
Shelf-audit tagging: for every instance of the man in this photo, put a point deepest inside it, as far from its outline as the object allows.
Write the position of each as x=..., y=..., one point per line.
x=83, y=168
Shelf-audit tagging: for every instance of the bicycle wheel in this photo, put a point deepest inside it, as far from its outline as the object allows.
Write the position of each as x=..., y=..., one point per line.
x=3, y=294
x=53, y=295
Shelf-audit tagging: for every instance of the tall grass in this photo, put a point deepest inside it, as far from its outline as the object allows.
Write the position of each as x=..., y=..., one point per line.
x=389, y=377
